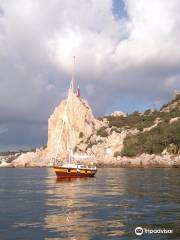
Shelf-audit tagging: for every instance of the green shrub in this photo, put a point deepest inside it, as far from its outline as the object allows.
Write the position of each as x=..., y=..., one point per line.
x=102, y=132
x=148, y=112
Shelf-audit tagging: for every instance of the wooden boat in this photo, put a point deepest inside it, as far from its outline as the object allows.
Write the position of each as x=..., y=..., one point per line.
x=71, y=169
x=74, y=171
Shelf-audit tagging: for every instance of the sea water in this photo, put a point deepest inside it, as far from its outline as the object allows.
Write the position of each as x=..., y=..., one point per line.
x=33, y=205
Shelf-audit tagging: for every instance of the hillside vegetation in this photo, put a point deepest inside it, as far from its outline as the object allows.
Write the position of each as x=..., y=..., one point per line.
x=158, y=130
x=164, y=136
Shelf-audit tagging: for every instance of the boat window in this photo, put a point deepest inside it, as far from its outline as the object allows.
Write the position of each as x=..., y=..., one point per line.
x=69, y=170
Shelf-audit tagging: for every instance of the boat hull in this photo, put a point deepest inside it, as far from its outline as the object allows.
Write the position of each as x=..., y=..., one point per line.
x=73, y=173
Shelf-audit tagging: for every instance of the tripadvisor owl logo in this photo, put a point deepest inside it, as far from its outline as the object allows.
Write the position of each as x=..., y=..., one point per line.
x=139, y=231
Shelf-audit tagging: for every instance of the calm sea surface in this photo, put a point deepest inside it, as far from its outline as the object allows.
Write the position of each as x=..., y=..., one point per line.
x=33, y=205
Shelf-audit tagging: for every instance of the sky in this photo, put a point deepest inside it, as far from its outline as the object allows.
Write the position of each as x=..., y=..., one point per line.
x=127, y=59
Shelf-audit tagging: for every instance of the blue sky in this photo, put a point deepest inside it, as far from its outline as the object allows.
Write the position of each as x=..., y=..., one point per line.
x=122, y=63
x=119, y=9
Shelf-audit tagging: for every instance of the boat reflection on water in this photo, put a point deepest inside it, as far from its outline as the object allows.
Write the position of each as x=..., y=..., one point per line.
x=63, y=180
x=75, y=212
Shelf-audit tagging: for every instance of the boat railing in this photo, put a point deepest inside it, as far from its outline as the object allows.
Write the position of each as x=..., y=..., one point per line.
x=87, y=167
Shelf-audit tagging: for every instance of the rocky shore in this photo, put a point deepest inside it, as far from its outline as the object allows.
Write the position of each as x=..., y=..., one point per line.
x=143, y=161
x=39, y=159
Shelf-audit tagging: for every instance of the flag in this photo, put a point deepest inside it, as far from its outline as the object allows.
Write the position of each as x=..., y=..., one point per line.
x=78, y=92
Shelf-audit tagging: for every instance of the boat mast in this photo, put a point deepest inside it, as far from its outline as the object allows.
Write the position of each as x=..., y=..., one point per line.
x=70, y=103
x=73, y=75
x=65, y=121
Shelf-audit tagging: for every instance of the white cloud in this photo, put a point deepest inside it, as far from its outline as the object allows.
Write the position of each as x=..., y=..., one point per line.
x=153, y=32
x=138, y=56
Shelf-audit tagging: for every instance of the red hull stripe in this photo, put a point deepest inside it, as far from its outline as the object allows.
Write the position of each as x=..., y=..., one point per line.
x=65, y=175
x=59, y=176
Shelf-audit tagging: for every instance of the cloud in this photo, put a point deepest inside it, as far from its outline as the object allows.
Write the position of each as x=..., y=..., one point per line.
x=133, y=55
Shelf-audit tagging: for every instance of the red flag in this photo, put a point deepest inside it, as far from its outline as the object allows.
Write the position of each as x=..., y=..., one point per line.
x=78, y=92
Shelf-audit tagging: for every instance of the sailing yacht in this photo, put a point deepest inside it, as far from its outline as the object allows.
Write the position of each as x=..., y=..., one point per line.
x=70, y=169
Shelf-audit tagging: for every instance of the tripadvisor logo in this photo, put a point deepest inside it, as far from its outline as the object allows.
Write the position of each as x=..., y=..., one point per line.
x=139, y=231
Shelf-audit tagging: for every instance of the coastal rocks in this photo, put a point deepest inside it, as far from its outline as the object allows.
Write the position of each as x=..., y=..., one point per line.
x=9, y=157
x=4, y=164
x=148, y=160
x=32, y=159
x=5, y=160
x=171, y=149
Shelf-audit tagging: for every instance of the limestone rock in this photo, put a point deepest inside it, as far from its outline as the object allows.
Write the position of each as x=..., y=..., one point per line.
x=118, y=114
x=77, y=120
x=33, y=159
x=172, y=120
x=79, y=123
x=4, y=164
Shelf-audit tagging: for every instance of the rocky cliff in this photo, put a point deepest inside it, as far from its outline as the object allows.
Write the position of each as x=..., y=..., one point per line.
x=149, y=139
x=71, y=121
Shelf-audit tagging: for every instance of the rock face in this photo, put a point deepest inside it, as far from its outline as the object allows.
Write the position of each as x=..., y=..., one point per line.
x=71, y=121
x=4, y=164
x=118, y=114
x=32, y=159
x=106, y=148
x=173, y=120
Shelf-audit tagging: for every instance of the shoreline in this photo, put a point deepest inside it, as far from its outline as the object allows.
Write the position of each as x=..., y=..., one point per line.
x=128, y=166
x=42, y=160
